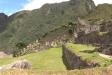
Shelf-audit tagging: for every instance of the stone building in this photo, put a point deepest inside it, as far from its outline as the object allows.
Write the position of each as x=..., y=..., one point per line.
x=87, y=27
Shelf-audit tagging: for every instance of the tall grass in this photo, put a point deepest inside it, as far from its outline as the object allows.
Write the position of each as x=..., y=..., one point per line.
x=94, y=71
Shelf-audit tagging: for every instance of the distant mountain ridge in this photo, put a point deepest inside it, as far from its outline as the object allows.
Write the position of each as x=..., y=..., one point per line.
x=3, y=21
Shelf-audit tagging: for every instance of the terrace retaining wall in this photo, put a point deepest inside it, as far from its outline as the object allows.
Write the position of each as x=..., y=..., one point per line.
x=71, y=60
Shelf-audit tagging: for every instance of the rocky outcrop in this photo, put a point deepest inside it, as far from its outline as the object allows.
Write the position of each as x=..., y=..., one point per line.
x=89, y=5
x=21, y=64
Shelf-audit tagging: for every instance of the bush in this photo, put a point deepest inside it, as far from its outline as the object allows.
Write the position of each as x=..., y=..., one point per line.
x=18, y=49
x=71, y=27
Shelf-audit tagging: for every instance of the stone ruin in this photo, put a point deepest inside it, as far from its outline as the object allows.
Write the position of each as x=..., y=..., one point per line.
x=84, y=33
x=85, y=26
x=38, y=45
x=74, y=61
x=90, y=34
x=105, y=49
x=91, y=38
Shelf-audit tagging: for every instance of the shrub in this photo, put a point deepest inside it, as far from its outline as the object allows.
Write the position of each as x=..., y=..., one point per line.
x=18, y=49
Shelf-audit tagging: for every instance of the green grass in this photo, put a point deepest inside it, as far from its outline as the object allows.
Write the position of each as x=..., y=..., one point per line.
x=102, y=33
x=80, y=49
x=51, y=59
x=4, y=61
x=48, y=60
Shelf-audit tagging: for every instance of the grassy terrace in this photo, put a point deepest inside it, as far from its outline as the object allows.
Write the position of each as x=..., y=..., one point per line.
x=51, y=59
x=87, y=53
x=42, y=61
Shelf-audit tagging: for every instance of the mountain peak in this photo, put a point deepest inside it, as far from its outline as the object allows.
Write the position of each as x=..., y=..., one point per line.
x=90, y=5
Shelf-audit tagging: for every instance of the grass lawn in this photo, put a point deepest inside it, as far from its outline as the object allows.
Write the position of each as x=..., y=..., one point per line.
x=86, y=52
x=4, y=61
x=42, y=61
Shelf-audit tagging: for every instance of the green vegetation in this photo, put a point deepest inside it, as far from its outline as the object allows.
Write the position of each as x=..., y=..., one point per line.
x=48, y=60
x=18, y=51
x=100, y=12
x=48, y=23
x=102, y=33
x=87, y=52
x=51, y=59
x=28, y=26
x=5, y=61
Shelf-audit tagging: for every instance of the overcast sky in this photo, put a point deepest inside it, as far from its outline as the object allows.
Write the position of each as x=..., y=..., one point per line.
x=11, y=6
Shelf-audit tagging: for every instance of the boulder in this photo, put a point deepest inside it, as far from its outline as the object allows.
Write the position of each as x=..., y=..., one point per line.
x=21, y=64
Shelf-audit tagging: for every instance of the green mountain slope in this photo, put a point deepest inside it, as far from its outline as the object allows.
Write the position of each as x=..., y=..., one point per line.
x=27, y=26
x=102, y=11
x=3, y=21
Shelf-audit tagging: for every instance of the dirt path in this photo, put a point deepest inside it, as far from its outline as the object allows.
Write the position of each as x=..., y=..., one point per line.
x=105, y=56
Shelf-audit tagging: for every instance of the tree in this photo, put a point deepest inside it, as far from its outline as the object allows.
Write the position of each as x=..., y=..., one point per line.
x=18, y=49
x=71, y=27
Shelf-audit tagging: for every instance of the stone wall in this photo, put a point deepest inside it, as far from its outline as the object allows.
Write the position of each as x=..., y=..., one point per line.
x=90, y=38
x=39, y=46
x=72, y=61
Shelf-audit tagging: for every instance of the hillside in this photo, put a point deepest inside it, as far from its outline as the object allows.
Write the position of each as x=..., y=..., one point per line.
x=3, y=22
x=101, y=11
x=27, y=26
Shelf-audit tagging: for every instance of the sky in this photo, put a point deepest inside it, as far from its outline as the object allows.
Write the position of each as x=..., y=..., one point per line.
x=12, y=6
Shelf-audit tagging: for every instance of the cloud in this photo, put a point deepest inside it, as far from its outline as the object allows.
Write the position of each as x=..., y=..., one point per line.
x=102, y=1
x=34, y=4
